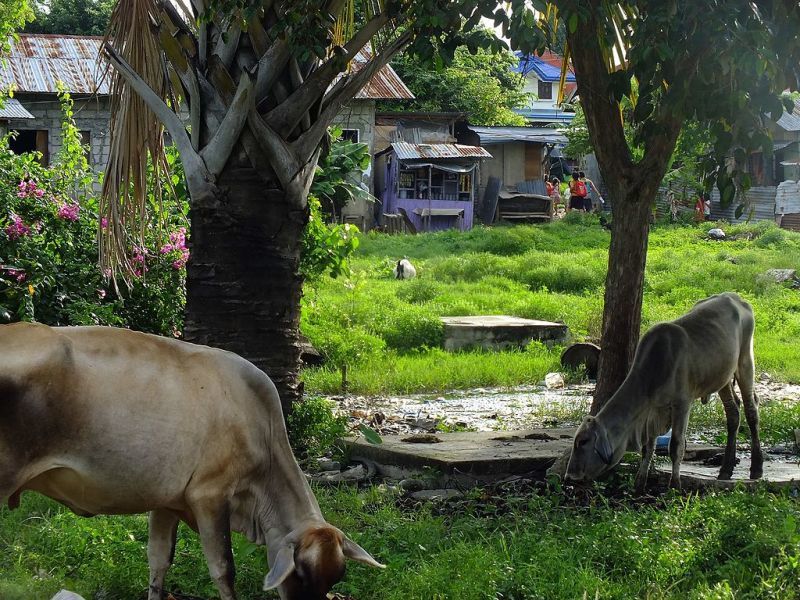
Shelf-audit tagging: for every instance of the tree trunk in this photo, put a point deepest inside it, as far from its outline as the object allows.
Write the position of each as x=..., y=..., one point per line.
x=243, y=283
x=622, y=312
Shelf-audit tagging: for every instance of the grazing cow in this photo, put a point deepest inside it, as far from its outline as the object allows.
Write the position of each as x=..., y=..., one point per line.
x=110, y=421
x=404, y=270
x=675, y=363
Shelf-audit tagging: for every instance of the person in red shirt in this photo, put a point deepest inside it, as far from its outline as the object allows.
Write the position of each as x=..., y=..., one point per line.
x=577, y=193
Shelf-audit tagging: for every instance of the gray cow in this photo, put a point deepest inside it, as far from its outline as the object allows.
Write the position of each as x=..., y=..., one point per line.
x=676, y=363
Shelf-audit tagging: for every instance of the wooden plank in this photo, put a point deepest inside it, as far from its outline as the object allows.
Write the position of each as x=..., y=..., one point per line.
x=490, y=196
x=533, y=161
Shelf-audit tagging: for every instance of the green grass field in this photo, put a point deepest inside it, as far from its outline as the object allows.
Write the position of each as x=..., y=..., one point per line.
x=512, y=543
x=519, y=542
x=389, y=333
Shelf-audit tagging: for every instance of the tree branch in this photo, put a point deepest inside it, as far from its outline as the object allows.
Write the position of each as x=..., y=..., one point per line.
x=219, y=149
x=227, y=50
x=281, y=154
x=345, y=89
x=160, y=109
x=286, y=116
x=270, y=66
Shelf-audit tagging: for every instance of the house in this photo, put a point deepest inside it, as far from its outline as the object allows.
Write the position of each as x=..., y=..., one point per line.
x=433, y=185
x=37, y=63
x=542, y=76
x=522, y=156
x=33, y=68
x=357, y=121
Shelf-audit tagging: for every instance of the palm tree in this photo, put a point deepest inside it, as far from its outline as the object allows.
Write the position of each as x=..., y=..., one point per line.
x=261, y=80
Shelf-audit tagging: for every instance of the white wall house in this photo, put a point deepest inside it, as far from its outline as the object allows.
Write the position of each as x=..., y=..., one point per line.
x=542, y=75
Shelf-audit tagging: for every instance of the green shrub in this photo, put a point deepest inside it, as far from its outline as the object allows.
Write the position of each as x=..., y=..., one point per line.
x=314, y=430
x=418, y=291
x=49, y=253
x=410, y=330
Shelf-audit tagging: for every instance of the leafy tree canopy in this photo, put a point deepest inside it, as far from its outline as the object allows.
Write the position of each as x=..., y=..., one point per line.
x=13, y=15
x=482, y=85
x=71, y=17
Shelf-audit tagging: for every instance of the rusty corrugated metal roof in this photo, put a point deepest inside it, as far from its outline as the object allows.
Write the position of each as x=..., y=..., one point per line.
x=384, y=85
x=406, y=151
x=37, y=62
x=12, y=109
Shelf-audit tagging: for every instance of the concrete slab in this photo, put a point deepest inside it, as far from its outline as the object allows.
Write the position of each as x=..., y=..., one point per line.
x=778, y=473
x=472, y=458
x=498, y=332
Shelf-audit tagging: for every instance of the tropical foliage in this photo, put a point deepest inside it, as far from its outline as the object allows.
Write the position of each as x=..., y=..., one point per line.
x=48, y=247
x=480, y=84
x=73, y=17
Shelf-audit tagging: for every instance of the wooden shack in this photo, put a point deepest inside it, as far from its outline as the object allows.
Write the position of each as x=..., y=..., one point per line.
x=435, y=184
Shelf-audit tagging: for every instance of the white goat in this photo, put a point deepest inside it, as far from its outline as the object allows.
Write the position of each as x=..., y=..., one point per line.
x=404, y=270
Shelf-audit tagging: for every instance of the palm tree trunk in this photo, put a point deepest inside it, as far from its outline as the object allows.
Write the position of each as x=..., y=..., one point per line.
x=243, y=281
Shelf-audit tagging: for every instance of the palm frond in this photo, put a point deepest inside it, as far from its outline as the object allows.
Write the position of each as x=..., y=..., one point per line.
x=136, y=135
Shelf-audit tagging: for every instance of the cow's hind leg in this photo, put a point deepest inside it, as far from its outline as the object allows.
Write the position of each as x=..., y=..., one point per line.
x=644, y=467
x=745, y=376
x=732, y=417
x=160, y=549
x=214, y=527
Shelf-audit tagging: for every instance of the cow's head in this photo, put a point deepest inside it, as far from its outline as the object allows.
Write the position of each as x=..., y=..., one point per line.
x=592, y=452
x=309, y=562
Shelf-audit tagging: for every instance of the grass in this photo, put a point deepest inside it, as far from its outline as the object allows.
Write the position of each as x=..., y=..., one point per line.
x=553, y=272
x=516, y=542
x=509, y=543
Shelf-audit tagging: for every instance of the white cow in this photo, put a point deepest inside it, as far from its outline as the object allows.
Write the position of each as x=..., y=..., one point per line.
x=676, y=363
x=110, y=421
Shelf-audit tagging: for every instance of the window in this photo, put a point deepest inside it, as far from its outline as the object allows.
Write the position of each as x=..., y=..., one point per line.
x=545, y=90
x=350, y=135
x=31, y=140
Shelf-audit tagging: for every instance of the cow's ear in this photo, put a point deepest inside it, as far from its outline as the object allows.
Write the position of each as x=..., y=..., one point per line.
x=355, y=552
x=282, y=567
x=601, y=444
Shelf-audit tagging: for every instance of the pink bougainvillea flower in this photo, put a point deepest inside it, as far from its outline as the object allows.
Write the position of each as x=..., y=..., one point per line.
x=101, y=293
x=17, y=228
x=69, y=212
x=104, y=223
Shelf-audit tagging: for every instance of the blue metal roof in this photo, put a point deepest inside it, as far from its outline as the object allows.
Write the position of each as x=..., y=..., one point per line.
x=544, y=71
x=545, y=115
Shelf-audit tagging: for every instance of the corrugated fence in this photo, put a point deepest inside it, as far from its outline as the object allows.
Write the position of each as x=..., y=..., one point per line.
x=761, y=207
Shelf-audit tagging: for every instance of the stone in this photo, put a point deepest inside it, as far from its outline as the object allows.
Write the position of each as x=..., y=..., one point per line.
x=584, y=355
x=498, y=332
x=412, y=485
x=326, y=464
x=67, y=595
x=781, y=275
x=797, y=439
x=310, y=356
x=554, y=381
x=352, y=475
x=716, y=234
x=442, y=494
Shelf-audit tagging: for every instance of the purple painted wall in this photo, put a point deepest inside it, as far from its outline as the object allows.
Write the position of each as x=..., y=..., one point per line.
x=435, y=223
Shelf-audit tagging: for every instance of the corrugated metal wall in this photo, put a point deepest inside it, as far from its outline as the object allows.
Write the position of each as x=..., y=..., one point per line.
x=761, y=200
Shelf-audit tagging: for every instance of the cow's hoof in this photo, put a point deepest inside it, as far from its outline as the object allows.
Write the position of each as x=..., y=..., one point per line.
x=757, y=473
x=725, y=474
